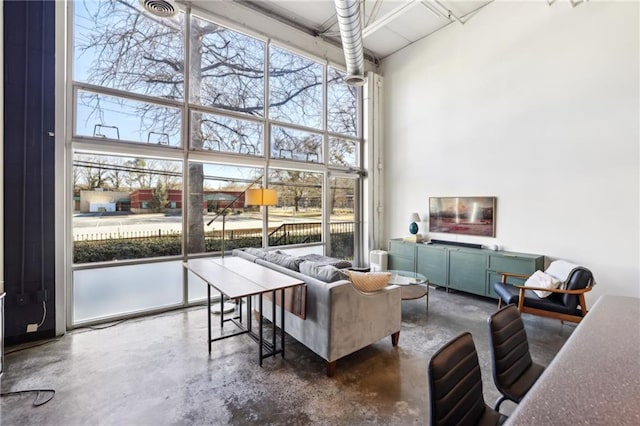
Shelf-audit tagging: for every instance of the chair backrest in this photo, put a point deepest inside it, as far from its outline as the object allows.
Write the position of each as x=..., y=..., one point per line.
x=455, y=383
x=580, y=278
x=509, y=346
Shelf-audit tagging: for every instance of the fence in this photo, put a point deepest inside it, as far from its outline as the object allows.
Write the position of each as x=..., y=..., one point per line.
x=129, y=235
x=97, y=247
x=288, y=233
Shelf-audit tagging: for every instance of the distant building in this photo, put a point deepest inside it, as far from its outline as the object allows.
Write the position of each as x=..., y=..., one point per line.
x=101, y=201
x=138, y=201
x=212, y=200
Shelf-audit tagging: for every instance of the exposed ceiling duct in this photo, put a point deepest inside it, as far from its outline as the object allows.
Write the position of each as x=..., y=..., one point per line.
x=349, y=21
x=161, y=8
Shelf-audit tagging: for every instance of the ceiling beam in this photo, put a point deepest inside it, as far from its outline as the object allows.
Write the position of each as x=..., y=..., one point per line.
x=389, y=17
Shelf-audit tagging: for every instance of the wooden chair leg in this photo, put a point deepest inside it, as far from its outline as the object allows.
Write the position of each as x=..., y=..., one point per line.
x=499, y=302
x=521, y=300
x=395, y=337
x=583, y=304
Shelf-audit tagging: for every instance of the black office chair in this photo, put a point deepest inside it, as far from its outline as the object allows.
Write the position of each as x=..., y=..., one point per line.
x=513, y=370
x=455, y=386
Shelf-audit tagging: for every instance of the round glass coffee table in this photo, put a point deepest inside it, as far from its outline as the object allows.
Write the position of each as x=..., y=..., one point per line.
x=413, y=285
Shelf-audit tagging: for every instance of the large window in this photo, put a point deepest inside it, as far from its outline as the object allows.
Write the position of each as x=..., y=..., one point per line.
x=227, y=69
x=296, y=144
x=223, y=222
x=242, y=112
x=342, y=216
x=298, y=216
x=295, y=89
x=117, y=46
x=126, y=208
x=110, y=117
x=342, y=108
x=226, y=134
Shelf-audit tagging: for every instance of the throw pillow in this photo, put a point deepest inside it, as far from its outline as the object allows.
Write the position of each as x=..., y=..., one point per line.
x=286, y=260
x=326, y=273
x=542, y=280
x=369, y=281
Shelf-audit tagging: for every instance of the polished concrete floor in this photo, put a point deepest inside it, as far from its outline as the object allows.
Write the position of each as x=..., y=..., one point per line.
x=156, y=371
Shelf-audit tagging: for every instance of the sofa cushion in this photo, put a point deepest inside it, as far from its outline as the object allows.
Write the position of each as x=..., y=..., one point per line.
x=326, y=260
x=326, y=273
x=257, y=252
x=369, y=281
x=283, y=259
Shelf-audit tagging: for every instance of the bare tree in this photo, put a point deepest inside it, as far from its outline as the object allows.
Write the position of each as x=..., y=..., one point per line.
x=296, y=186
x=123, y=48
x=117, y=176
x=93, y=172
x=138, y=175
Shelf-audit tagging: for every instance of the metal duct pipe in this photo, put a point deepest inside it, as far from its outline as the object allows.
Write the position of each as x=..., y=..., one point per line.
x=348, y=12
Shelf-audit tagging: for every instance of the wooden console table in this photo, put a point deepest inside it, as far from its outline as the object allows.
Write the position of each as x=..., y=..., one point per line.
x=238, y=278
x=595, y=378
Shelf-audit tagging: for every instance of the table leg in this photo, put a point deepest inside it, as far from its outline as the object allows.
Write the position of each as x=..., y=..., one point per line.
x=282, y=324
x=221, y=311
x=273, y=317
x=209, y=315
x=260, y=327
x=249, y=313
x=427, y=298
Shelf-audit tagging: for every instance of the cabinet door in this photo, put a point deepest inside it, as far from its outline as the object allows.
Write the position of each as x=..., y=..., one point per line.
x=506, y=262
x=401, y=263
x=467, y=271
x=402, y=256
x=432, y=263
x=402, y=249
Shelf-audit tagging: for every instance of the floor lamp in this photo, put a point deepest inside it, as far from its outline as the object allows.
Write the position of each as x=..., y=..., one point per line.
x=253, y=197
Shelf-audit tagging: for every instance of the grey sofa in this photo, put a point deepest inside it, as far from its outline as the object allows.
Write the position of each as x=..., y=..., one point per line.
x=340, y=319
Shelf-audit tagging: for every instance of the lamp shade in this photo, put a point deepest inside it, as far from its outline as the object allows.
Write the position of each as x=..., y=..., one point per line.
x=261, y=197
x=415, y=217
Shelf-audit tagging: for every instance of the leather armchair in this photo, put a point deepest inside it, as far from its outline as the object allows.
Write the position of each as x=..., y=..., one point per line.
x=564, y=304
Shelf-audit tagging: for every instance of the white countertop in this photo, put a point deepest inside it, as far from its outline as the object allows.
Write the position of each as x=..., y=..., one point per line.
x=595, y=378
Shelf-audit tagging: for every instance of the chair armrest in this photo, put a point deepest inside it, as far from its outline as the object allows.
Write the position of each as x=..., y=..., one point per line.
x=553, y=290
x=505, y=275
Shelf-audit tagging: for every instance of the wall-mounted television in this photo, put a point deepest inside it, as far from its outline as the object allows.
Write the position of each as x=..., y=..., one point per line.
x=463, y=215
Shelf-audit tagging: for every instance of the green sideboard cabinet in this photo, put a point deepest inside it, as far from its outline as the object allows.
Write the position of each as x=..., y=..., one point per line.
x=461, y=268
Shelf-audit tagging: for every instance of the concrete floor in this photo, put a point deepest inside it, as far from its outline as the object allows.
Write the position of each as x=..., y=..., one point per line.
x=156, y=370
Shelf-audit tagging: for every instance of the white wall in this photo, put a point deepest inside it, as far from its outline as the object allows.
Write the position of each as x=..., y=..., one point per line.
x=539, y=106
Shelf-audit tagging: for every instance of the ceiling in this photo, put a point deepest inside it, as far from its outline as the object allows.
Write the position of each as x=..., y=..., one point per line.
x=388, y=25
